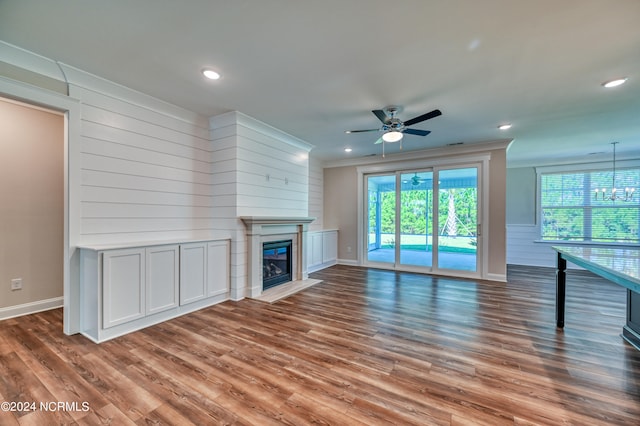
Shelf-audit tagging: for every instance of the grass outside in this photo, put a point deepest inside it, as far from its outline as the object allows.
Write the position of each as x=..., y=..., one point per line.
x=423, y=243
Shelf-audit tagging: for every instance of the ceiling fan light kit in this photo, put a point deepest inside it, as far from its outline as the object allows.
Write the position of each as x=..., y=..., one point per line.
x=392, y=136
x=394, y=128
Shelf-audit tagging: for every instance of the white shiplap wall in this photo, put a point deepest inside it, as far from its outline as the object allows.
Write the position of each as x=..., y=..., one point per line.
x=257, y=170
x=272, y=175
x=522, y=248
x=224, y=154
x=316, y=193
x=146, y=171
x=143, y=170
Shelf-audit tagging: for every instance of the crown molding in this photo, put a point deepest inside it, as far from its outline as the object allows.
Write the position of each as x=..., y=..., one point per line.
x=445, y=151
x=232, y=118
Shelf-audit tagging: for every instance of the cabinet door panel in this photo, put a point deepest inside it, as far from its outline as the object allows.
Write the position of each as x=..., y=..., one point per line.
x=193, y=272
x=162, y=278
x=218, y=267
x=123, y=286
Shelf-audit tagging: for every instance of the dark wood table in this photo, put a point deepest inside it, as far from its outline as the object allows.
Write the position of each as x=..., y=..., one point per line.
x=618, y=265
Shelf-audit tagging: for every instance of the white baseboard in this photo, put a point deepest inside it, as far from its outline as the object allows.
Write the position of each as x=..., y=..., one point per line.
x=497, y=277
x=316, y=268
x=489, y=277
x=31, y=308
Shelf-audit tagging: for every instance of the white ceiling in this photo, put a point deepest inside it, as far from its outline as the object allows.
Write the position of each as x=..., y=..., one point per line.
x=317, y=68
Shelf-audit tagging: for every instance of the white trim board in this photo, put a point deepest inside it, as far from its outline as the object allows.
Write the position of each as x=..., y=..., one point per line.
x=31, y=308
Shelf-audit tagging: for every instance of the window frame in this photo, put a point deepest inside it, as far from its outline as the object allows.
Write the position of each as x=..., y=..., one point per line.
x=579, y=168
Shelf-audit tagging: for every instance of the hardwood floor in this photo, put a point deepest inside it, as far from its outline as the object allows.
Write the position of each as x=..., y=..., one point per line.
x=364, y=347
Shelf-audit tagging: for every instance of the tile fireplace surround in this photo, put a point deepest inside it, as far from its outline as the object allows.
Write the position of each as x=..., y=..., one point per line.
x=262, y=229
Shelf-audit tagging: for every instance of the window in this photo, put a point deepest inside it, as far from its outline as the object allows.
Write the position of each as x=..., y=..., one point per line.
x=572, y=210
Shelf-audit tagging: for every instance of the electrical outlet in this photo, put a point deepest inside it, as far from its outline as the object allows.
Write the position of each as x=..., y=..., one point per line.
x=16, y=284
x=348, y=249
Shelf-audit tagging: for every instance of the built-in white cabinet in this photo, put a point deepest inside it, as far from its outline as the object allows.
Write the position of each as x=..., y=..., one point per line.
x=126, y=289
x=138, y=282
x=205, y=270
x=322, y=250
x=162, y=275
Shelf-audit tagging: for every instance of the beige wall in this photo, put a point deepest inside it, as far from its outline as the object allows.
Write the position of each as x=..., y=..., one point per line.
x=341, y=208
x=497, y=213
x=31, y=206
x=341, y=198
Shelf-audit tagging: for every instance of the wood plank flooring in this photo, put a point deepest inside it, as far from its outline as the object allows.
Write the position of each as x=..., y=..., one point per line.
x=364, y=347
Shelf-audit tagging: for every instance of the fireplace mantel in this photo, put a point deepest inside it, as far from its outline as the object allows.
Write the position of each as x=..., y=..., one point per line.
x=251, y=221
x=267, y=228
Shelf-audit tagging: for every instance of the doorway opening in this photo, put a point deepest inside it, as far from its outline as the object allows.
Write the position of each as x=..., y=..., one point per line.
x=32, y=216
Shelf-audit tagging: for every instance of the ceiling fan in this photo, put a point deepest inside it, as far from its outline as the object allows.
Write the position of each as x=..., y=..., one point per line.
x=394, y=128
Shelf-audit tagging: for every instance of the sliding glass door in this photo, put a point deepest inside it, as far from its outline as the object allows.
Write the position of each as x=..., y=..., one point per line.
x=457, y=219
x=423, y=220
x=416, y=219
x=381, y=218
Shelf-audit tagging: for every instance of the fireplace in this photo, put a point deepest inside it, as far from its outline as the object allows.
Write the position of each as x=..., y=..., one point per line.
x=276, y=263
x=267, y=229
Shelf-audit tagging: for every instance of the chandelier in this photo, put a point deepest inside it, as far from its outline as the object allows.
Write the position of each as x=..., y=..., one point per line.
x=601, y=194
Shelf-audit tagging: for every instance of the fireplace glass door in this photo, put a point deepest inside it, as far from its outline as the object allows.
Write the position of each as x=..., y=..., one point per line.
x=276, y=263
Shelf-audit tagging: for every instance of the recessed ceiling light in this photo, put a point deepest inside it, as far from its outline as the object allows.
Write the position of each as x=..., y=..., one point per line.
x=348, y=150
x=210, y=74
x=506, y=126
x=615, y=83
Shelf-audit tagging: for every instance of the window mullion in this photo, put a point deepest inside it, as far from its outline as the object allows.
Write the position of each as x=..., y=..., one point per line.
x=587, y=213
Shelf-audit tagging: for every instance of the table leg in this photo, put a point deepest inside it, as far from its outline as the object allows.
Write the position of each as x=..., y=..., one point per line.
x=561, y=285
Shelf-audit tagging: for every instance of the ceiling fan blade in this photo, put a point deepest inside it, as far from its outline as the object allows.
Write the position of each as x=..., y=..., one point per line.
x=381, y=115
x=417, y=132
x=433, y=114
x=361, y=131
x=378, y=141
